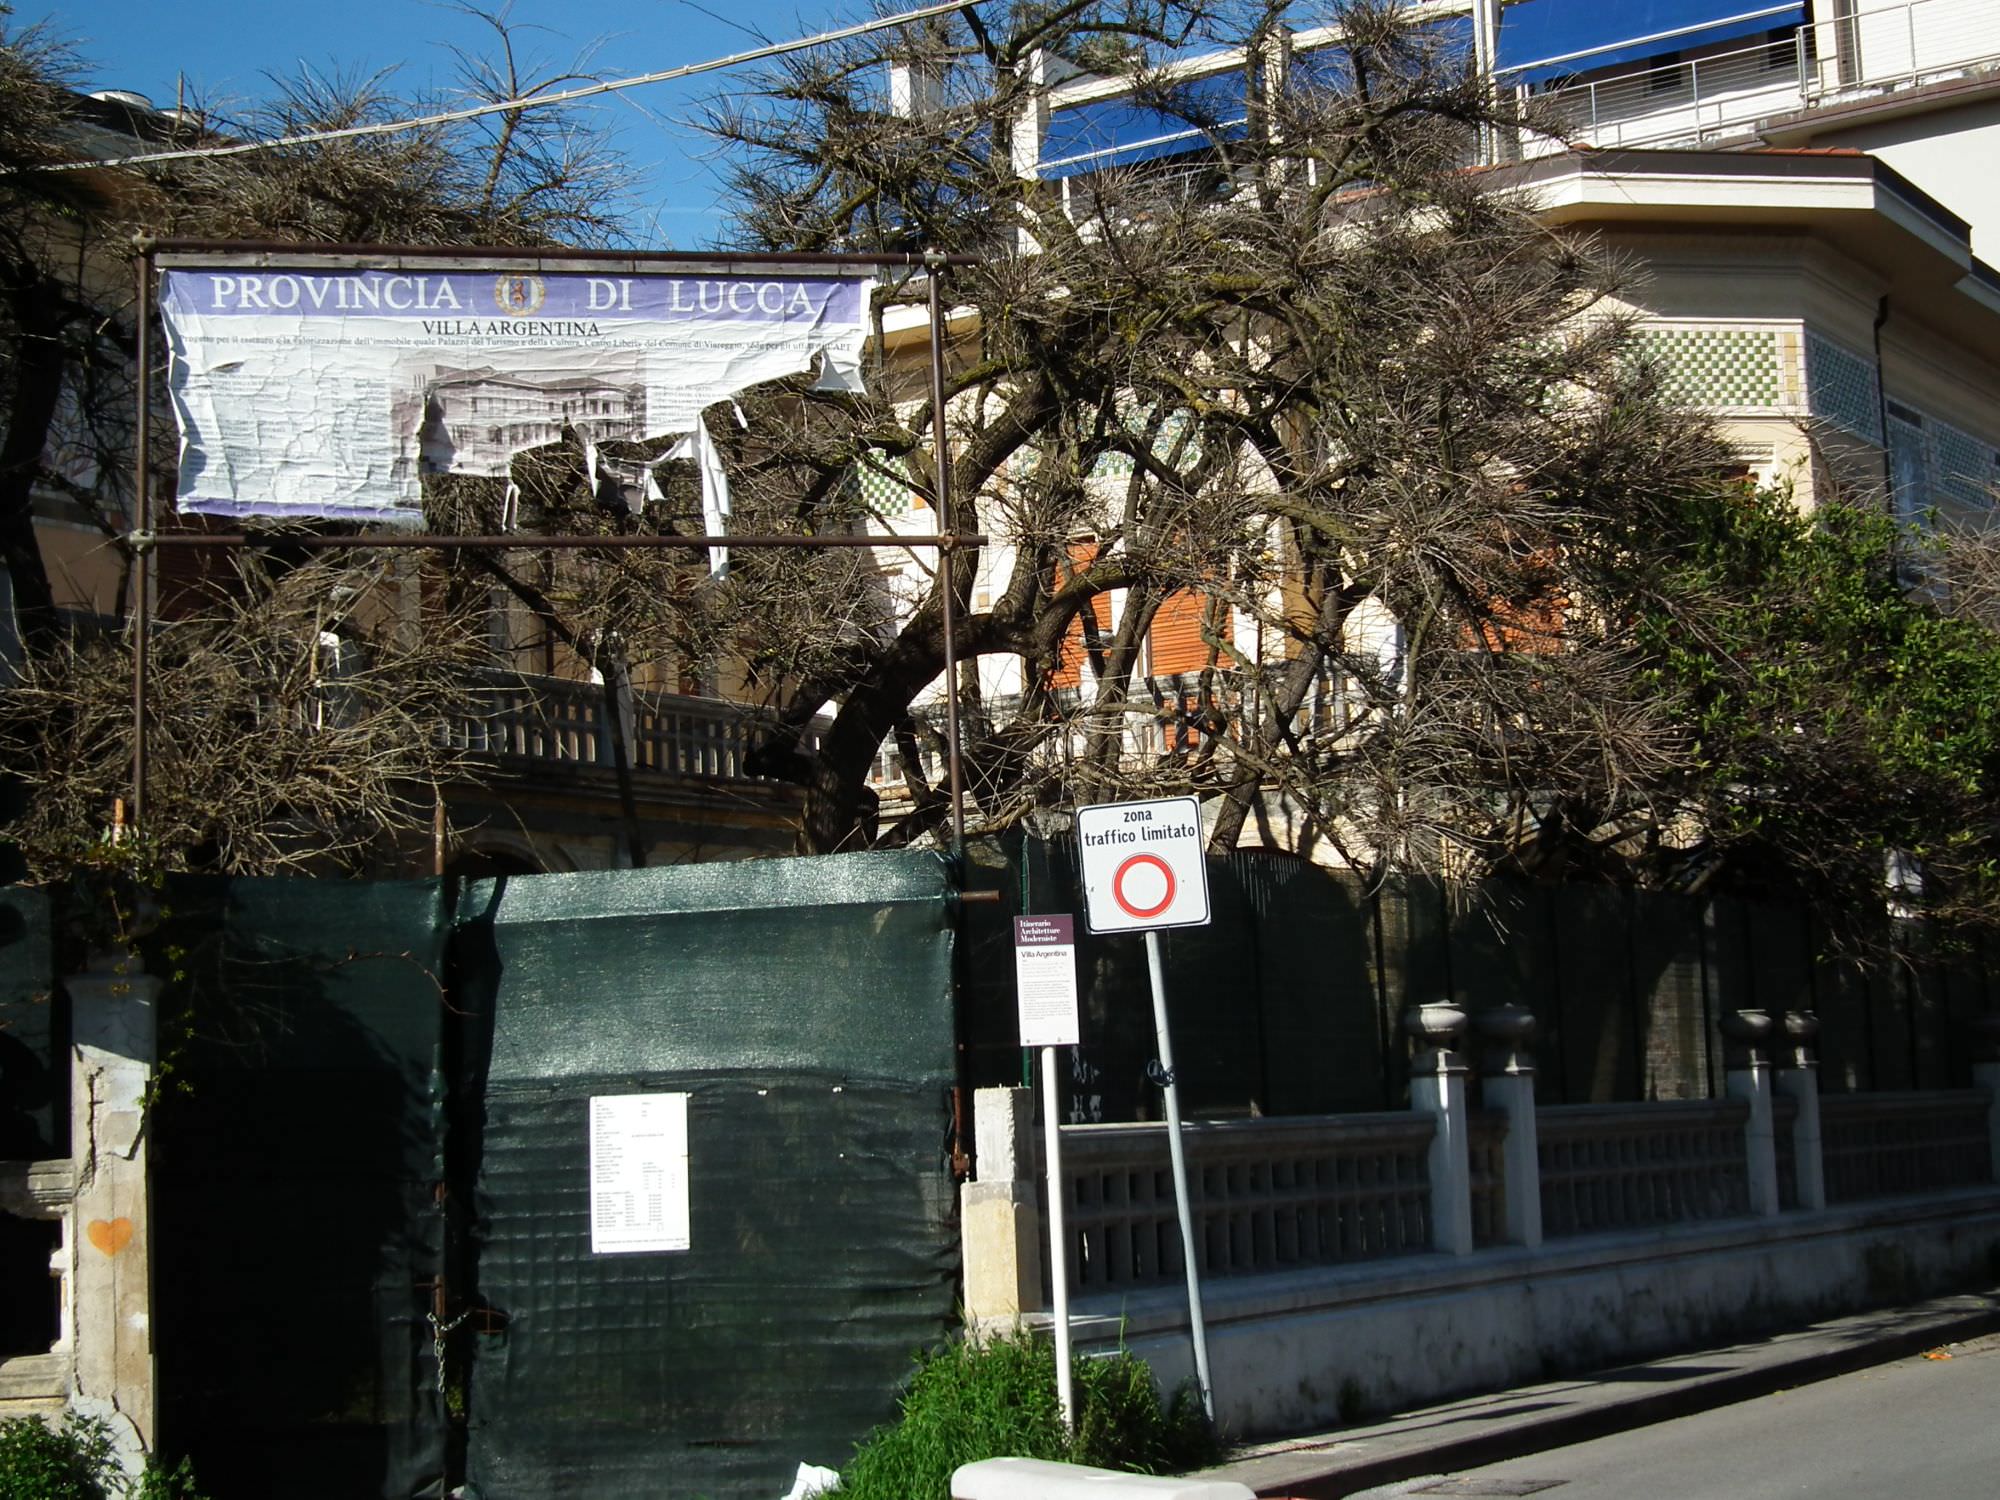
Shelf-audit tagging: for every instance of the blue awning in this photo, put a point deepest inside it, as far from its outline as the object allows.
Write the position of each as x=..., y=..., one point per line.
x=1117, y=132
x=1543, y=39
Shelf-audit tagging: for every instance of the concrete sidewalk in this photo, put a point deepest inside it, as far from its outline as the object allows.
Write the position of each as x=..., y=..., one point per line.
x=1480, y=1430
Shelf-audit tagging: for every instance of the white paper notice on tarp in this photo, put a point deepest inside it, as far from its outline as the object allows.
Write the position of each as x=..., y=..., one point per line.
x=638, y=1173
x=1045, y=981
x=330, y=392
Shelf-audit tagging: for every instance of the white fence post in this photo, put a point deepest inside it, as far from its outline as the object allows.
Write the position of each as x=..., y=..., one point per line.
x=1798, y=1078
x=1000, y=1221
x=1437, y=1088
x=1507, y=1084
x=1748, y=1078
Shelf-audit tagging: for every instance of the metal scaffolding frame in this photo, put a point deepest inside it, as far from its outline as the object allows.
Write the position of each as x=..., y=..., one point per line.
x=143, y=540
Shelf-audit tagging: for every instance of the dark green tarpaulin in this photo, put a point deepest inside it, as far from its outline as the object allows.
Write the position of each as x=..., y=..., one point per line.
x=34, y=1078
x=804, y=1006
x=386, y=1116
x=34, y=1111
x=296, y=1225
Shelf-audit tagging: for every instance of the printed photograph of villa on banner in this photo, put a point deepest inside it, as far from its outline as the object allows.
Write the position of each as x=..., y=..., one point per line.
x=329, y=391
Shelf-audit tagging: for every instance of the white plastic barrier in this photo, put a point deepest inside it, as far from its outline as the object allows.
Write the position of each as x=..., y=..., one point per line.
x=1038, y=1479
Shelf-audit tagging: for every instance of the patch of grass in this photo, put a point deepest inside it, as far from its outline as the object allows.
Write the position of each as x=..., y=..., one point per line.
x=998, y=1400
x=76, y=1461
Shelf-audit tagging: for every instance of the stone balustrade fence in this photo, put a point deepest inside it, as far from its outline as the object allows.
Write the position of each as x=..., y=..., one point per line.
x=1459, y=1173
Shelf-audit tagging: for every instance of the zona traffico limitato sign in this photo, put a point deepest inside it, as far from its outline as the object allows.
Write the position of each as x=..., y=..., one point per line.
x=1143, y=866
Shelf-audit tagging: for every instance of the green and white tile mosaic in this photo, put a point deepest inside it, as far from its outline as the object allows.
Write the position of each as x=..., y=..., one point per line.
x=1841, y=389
x=1966, y=469
x=1937, y=465
x=885, y=486
x=1719, y=367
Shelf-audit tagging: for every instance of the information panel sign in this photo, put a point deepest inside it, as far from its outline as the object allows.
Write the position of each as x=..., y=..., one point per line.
x=1045, y=981
x=1143, y=865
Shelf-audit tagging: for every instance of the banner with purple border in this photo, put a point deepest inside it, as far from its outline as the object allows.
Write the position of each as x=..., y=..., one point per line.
x=330, y=393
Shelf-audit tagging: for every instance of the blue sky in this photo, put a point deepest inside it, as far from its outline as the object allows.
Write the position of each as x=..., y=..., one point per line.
x=228, y=48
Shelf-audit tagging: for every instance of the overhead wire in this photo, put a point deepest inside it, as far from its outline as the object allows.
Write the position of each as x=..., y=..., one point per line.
x=508, y=106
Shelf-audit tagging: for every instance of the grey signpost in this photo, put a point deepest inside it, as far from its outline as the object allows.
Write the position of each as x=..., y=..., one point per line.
x=1144, y=871
x=1046, y=993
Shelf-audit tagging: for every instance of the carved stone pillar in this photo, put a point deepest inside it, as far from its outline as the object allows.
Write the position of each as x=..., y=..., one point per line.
x=1798, y=1078
x=110, y=1246
x=1747, y=1034
x=1437, y=1088
x=1507, y=1084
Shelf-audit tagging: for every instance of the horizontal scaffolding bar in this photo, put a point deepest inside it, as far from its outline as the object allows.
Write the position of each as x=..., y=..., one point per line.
x=475, y=253
x=520, y=542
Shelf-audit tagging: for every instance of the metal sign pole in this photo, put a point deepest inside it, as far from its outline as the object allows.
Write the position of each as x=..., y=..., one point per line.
x=1058, y=1237
x=1143, y=869
x=1045, y=993
x=1170, y=1089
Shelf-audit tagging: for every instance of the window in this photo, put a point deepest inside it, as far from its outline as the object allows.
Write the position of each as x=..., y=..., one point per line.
x=1669, y=74
x=1069, y=671
x=1909, y=464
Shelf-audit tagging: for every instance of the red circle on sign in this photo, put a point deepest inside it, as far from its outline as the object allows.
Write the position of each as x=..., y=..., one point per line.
x=1118, y=886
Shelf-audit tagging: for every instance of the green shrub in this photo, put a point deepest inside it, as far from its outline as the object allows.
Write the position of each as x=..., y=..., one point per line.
x=76, y=1461
x=998, y=1400
x=38, y=1462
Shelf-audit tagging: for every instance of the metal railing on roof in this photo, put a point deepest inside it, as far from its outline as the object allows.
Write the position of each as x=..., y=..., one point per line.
x=1896, y=46
x=1672, y=101
x=1677, y=99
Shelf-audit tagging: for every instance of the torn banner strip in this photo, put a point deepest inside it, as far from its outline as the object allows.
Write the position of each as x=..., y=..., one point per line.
x=327, y=394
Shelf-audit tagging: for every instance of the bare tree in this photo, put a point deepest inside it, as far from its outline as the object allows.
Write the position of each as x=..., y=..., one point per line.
x=1359, y=403
x=1473, y=592
x=293, y=726
x=261, y=760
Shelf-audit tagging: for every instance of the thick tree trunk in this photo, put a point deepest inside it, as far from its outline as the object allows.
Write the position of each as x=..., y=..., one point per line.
x=1241, y=793
x=837, y=813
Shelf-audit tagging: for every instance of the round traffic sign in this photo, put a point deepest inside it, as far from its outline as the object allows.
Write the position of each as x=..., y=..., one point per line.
x=1136, y=881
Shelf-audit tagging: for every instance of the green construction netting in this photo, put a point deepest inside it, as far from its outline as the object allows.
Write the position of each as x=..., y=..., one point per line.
x=295, y=1158
x=34, y=1077
x=34, y=1112
x=805, y=1009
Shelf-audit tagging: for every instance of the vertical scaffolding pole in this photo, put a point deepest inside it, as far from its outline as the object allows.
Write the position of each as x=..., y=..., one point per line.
x=141, y=538
x=934, y=262
x=1485, y=26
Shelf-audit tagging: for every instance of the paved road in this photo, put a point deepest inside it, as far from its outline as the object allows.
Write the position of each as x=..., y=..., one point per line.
x=1917, y=1429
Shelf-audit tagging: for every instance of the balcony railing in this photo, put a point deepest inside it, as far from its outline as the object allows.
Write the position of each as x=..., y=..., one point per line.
x=1679, y=101
x=1168, y=714
x=1899, y=45
x=555, y=721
